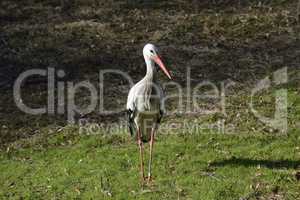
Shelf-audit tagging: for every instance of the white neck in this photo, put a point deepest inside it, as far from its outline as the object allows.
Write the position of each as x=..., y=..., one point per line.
x=150, y=68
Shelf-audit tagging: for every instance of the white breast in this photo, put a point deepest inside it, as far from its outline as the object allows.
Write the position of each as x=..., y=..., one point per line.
x=144, y=97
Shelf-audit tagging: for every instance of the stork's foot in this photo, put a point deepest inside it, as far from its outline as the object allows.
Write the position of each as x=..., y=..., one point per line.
x=149, y=180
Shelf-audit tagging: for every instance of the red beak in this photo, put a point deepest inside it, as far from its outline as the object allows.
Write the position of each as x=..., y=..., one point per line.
x=158, y=61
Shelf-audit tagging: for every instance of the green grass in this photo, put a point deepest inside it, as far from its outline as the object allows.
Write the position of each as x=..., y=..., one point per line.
x=198, y=166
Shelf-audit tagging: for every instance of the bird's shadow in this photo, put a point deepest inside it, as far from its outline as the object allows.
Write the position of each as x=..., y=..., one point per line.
x=247, y=162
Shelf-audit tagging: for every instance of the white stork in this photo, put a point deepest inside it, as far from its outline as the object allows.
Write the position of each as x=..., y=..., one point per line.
x=145, y=105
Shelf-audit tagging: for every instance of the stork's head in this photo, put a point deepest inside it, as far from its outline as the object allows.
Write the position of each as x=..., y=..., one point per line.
x=150, y=52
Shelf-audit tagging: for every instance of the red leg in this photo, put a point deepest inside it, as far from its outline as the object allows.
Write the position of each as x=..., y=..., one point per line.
x=140, y=143
x=151, y=152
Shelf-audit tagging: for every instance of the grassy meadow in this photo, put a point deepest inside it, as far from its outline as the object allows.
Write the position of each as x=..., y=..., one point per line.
x=196, y=166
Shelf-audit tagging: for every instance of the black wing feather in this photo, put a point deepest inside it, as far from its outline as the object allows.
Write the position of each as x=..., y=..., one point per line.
x=130, y=116
x=161, y=113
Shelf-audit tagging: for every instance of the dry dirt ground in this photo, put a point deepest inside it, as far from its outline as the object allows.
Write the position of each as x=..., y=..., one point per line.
x=219, y=41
